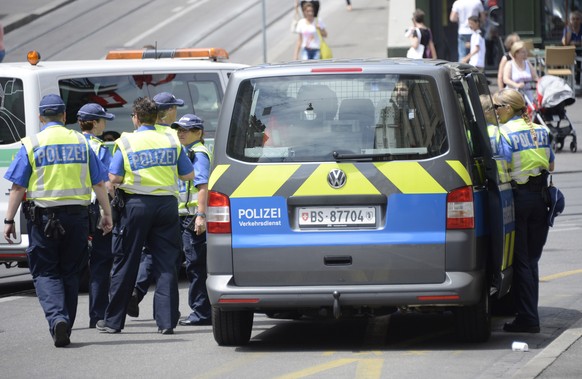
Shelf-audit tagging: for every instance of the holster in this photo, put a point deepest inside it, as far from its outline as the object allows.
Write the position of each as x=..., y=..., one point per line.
x=117, y=204
x=53, y=227
x=31, y=212
x=94, y=218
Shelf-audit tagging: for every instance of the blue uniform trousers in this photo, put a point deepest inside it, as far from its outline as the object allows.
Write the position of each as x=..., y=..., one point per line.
x=144, y=275
x=531, y=231
x=194, y=247
x=100, y=263
x=152, y=221
x=56, y=264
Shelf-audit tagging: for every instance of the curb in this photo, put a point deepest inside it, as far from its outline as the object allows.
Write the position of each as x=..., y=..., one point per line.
x=15, y=21
x=551, y=353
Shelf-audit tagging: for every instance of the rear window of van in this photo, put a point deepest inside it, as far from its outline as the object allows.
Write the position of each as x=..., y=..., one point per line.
x=12, y=123
x=330, y=117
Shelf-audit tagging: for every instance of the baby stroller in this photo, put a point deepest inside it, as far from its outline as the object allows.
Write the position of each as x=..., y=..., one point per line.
x=553, y=95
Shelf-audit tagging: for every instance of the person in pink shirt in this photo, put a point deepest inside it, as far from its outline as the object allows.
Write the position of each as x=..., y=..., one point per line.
x=2, y=50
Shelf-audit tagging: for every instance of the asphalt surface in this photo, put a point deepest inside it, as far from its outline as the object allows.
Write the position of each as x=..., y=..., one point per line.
x=560, y=359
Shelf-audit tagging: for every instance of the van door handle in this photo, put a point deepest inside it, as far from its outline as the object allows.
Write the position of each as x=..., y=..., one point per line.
x=337, y=260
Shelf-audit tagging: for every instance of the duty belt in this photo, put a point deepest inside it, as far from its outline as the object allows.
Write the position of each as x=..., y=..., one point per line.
x=71, y=209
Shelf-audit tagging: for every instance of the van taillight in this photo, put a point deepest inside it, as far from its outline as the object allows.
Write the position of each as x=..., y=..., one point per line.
x=218, y=213
x=460, y=209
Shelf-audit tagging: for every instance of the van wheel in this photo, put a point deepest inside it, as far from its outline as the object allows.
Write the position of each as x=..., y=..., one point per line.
x=473, y=323
x=231, y=328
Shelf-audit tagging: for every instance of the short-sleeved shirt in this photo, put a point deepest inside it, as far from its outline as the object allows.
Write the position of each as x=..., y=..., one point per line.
x=477, y=60
x=116, y=166
x=20, y=169
x=466, y=9
x=310, y=38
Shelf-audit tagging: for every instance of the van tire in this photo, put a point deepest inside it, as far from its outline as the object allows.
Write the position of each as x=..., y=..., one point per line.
x=231, y=328
x=473, y=323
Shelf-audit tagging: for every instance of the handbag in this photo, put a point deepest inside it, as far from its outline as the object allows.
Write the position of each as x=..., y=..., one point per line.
x=324, y=49
x=417, y=53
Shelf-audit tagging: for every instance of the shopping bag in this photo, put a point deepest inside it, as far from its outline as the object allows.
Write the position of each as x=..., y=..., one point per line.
x=324, y=49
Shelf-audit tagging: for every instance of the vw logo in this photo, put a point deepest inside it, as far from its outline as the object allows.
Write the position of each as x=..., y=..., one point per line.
x=337, y=178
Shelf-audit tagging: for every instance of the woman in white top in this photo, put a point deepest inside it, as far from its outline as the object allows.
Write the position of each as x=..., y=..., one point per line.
x=308, y=41
x=519, y=73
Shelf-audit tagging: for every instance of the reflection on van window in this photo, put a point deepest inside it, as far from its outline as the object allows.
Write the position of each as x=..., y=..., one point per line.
x=201, y=93
x=12, y=123
x=330, y=117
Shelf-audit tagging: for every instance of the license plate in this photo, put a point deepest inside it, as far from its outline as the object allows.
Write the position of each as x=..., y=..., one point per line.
x=336, y=217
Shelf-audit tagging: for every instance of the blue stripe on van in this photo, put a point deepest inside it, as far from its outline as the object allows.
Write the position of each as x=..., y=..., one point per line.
x=412, y=219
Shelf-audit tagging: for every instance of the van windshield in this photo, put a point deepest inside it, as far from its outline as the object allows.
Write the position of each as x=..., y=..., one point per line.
x=337, y=117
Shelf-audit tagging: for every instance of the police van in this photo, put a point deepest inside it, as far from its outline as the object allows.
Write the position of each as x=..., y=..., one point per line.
x=347, y=188
x=198, y=76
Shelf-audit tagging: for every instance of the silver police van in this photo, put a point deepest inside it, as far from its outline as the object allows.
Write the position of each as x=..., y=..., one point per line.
x=199, y=76
x=357, y=187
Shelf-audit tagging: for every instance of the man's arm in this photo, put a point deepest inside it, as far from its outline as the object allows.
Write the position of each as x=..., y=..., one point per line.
x=15, y=198
x=106, y=223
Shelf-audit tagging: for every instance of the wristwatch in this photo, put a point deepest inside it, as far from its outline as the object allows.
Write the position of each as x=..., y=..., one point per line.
x=201, y=214
x=8, y=222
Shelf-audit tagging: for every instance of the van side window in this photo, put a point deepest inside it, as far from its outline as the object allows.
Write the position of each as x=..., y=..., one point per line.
x=202, y=94
x=327, y=117
x=12, y=122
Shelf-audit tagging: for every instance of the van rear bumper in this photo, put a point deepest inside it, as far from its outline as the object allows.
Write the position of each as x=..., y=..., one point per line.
x=459, y=288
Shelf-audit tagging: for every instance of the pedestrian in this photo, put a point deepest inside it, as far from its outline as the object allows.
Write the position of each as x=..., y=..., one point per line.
x=2, y=48
x=526, y=147
x=476, y=56
x=192, y=210
x=167, y=105
x=460, y=13
x=56, y=169
x=145, y=169
x=309, y=30
x=421, y=34
x=92, y=120
x=519, y=73
x=508, y=43
x=573, y=36
x=110, y=135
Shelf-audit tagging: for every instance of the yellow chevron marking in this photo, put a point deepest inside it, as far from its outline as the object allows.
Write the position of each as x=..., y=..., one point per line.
x=410, y=177
x=316, y=184
x=461, y=171
x=264, y=181
x=216, y=174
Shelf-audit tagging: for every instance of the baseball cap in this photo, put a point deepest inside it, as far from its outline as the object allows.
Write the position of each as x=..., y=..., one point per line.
x=166, y=100
x=93, y=111
x=51, y=105
x=557, y=204
x=189, y=121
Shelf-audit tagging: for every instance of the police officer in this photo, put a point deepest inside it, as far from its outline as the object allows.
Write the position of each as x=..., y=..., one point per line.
x=56, y=168
x=526, y=146
x=92, y=120
x=192, y=210
x=146, y=167
x=167, y=111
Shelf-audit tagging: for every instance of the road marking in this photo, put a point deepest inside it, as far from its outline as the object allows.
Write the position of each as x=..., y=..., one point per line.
x=366, y=368
x=560, y=275
x=163, y=24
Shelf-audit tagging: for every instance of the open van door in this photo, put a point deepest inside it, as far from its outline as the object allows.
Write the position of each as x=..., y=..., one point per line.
x=501, y=216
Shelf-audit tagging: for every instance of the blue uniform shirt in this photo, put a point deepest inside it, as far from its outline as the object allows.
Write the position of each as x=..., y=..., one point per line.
x=104, y=153
x=201, y=167
x=116, y=166
x=20, y=169
x=506, y=150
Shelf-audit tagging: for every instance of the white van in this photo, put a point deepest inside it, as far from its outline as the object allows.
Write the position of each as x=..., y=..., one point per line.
x=199, y=76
